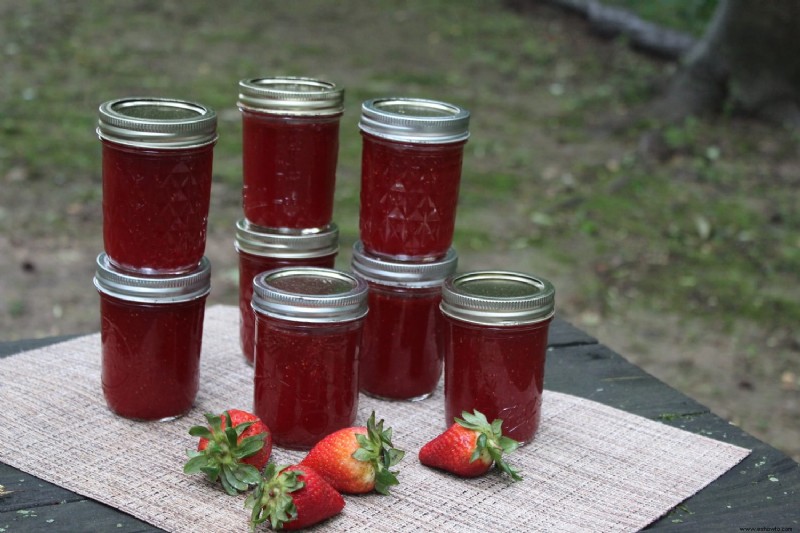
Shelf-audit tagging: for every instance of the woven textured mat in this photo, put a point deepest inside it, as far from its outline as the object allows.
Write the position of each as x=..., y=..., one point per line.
x=591, y=467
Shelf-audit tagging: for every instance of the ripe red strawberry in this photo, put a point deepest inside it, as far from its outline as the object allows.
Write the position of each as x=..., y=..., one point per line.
x=292, y=497
x=469, y=447
x=233, y=448
x=357, y=460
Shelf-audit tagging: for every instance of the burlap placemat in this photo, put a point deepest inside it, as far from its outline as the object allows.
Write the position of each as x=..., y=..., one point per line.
x=591, y=467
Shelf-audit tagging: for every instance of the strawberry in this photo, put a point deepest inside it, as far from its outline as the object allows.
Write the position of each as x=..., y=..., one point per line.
x=356, y=460
x=233, y=449
x=469, y=447
x=292, y=497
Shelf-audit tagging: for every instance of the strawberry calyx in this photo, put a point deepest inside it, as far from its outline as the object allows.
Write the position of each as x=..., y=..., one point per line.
x=222, y=457
x=490, y=440
x=271, y=500
x=375, y=447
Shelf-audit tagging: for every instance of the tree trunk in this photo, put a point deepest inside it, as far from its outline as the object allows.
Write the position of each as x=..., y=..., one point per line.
x=747, y=60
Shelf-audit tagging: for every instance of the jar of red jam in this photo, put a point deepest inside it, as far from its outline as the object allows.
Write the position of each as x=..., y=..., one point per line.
x=495, y=340
x=290, y=147
x=157, y=161
x=151, y=333
x=308, y=330
x=401, y=350
x=410, y=176
x=261, y=250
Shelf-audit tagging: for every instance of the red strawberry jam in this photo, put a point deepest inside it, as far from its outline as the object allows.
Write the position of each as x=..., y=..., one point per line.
x=401, y=357
x=308, y=329
x=261, y=250
x=495, y=341
x=151, y=335
x=157, y=162
x=410, y=176
x=401, y=353
x=290, y=148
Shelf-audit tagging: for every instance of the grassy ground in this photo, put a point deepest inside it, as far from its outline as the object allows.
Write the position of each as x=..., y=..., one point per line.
x=676, y=245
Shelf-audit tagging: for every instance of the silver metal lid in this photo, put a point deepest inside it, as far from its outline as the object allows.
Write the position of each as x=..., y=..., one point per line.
x=414, y=120
x=497, y=297
x=159, y=123
x=296, y=244
x=402, y=274
x=291, y=96
x=310, y=294
x=152, y=289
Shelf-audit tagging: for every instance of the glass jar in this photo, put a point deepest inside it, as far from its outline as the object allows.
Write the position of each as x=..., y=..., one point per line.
x=151, y=334
x=290, y=148
x=261, y=250
x=410, y=176
x=401, y=351
x=157, y=162
x=495, y=341
x=308, y=330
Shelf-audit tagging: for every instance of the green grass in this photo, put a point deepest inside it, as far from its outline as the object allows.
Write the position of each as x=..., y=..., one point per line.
x=689, y=234
x=689, y=16
x=687, y=245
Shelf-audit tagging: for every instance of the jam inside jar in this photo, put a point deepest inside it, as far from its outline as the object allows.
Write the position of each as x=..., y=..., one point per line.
x=401, y=353
x=290, y=149
x=410, y=176
x=157, y=165
x=261, y=250
x=151, y=336
x=307, y=335
x=495, y=342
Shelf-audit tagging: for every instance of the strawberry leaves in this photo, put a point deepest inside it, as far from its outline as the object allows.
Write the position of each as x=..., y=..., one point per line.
x=490, y=439
x=271, y=500
x=232, y=449
x=292, y=497
x=376, y=448
x=221, y=459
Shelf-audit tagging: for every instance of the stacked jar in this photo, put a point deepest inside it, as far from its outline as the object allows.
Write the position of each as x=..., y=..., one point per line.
x=300, y=320
x=308, y=329
x=412, y=153
x=401, y=353
x=290, y=149
x=153, y=278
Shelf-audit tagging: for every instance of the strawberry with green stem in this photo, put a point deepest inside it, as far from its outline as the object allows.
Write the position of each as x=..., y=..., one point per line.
x=232, y=449
x=470, y=447
x=292, y=497
x=357, y=460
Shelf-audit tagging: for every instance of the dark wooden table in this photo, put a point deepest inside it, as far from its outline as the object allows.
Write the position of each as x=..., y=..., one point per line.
x=763, y=491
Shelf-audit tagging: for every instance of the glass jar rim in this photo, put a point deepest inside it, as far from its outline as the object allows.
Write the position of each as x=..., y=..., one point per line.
x=416, y=274
x=416, y=120
x=285, y=243
x=289, y=95
x=154, y=289
x=160, y=123
x=498, y=297
x=310, y=294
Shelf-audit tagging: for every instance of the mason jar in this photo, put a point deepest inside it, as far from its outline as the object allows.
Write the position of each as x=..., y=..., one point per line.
x=495, y=341
x=157, y=163
x=308, y=330
x=151, y=334
x=411, y=160
x=290, y=148
x=401, y=349
x=261, y=250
